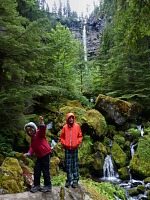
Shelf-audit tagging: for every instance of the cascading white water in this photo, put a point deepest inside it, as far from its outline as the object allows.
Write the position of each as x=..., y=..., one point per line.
x=139, y=127
x=132, y=149
x=108, y=168
x=84, y=44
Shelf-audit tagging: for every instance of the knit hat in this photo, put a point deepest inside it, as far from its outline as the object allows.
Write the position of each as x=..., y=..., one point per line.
x=31, y=124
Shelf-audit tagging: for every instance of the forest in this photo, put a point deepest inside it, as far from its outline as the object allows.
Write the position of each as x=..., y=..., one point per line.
x=42, y=67
x=41, y=62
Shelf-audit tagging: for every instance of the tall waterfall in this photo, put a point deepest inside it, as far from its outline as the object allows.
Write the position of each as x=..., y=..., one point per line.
x=84, y=44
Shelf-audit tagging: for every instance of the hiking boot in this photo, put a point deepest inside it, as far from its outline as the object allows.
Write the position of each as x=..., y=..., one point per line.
x=46, y=189
x=74, y=185
x=68, y=183
x=35, y=189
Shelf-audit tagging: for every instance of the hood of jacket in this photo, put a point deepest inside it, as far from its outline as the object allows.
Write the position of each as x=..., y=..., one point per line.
x=69, y=115
x=31, y=124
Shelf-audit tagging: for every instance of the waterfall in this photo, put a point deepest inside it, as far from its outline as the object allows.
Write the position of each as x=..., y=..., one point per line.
x=108, y=168
x=132, y=149
x=84, y=44
x=139, y=127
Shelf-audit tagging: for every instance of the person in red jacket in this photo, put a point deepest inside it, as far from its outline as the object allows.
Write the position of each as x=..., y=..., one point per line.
x=40, y=147
x=70, y=138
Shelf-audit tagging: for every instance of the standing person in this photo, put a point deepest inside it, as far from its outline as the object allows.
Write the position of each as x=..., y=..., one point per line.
x=42, y=150
x=70, y=138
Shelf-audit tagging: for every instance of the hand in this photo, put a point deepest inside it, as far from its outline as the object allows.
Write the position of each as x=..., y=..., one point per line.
x=40, y=119
x=24, y=155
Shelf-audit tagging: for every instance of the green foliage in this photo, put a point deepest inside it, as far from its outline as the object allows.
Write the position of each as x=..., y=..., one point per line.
x=6, y=145
x=59, y=180
x=107, y=189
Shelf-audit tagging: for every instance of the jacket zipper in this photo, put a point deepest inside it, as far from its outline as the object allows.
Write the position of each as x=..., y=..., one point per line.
x=70, y=138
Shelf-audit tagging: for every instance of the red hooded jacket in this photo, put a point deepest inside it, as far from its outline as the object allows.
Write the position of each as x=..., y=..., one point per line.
x=39, y=144
x=71, y=136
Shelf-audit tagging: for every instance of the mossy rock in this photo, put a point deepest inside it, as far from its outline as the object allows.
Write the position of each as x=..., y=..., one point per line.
x=124, y=173
x=54, y=166
x=119, y=139
x=63, y=111
x=134, y=133
x=140, y=162
x=11, y=174
x=141, y=188
x=97, y=164
x=74, y=103
x=98, y=146
x=147, y=180
x=148, y=194
x=86, y=147
x=133, y=192
x=58, y=151
x=111, y=131
x=117, y=110
x=93, y=123
x=119, y=157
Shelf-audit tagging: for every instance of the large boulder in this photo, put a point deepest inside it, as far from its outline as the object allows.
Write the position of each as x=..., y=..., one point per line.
x=94, y=124
x=140, y=162
x=119, y=156
x=116, y=110
x=12, y=179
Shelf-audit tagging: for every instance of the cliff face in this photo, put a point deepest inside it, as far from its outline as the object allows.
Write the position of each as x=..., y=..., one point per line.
x=94, y=29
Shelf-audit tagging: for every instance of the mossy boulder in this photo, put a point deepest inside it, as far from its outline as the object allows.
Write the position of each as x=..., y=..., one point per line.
x=85, y=159
x=133, y=192
x=63, y=111
x=124, y=173
x=119, y=156
x=93, y=123
x=98, y=146
x=120, y=140
x=116, y=110
x=58, y=151
x=141, y=188
x=134, y=134
x=11, y=174
x=140, y=162
x=147, y=180
x=97, y=164
x=54, y=166
x=148, y=194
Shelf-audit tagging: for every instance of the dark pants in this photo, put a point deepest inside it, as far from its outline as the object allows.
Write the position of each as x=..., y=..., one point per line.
x=71, y=161
x=42, y=165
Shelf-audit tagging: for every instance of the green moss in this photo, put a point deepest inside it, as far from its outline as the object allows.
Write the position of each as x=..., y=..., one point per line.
x=134, y=133
x=124, y=173
x=95, y=121
x=11, y=176
x=54, y=166
x=140, y=163
x=119, y=139
x=119, y=157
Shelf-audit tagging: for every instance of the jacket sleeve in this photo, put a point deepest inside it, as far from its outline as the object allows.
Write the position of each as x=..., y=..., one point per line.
x=80, y=137
x=42, y=130
x=30, y=151
x=62, y=136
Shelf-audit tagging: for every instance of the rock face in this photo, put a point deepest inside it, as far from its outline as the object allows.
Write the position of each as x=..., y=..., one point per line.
x=94, y=27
